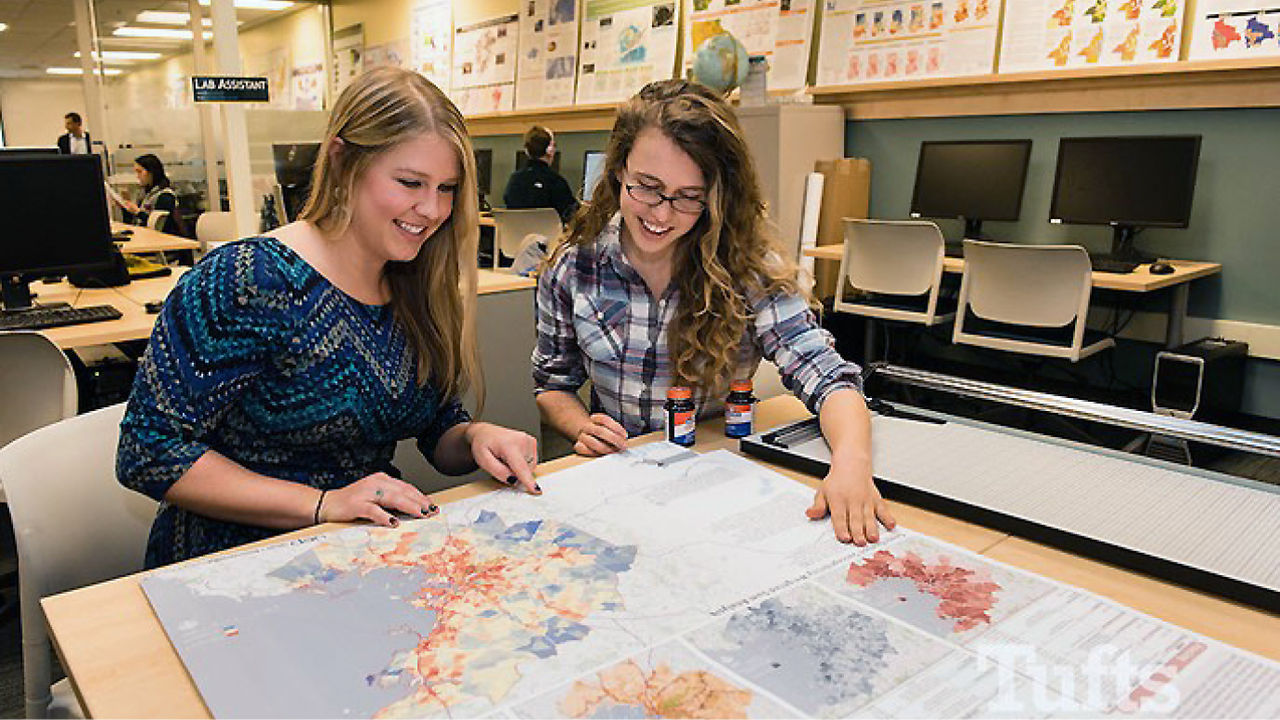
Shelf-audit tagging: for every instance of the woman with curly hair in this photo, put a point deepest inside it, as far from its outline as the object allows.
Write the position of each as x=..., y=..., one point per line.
x=671, y=277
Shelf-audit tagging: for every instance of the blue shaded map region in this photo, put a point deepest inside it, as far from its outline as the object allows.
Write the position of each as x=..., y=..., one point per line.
x=336, y=633
x=823, y=656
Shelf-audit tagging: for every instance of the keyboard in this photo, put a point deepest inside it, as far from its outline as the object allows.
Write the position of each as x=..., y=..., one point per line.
x=1111, y=265
x=46, y=317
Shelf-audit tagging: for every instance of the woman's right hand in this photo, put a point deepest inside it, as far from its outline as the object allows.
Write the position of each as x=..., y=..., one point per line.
x=372, y=498
x=601, y=435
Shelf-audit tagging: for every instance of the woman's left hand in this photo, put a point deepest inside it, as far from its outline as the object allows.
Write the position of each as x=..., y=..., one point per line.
x=508, y=455
x=850, y=496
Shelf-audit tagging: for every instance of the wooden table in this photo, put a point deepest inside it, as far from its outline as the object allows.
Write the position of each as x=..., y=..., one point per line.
x=1140, y=281
x=486, y=220
x=136, y=322
x=146, y=240
x=122, y=665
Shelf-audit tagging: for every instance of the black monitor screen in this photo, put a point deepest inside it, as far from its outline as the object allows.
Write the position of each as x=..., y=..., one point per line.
x=294, y=162
x=972, y=179
x=1141, y=181
x=484, y=170
x=28, y=151
x=522, y=159
x=55, y=210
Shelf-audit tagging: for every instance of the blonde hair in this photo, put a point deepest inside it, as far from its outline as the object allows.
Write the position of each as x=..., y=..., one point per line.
x=433, y=296
x=729, y=256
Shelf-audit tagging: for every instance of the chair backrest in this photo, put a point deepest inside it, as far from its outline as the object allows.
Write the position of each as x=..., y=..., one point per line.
x=155, y=220
x=511, y=227
x=892, y=257
x=74, y=524
x=1036, y=285
x=215, y=227
x=36, y=382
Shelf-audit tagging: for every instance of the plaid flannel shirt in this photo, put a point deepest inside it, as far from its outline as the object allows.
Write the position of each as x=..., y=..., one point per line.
x=597, y=319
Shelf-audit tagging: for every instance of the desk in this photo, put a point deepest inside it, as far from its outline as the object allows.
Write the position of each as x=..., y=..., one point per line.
x=122, y=665
x=486, y=220
x=146, y=240
x=1140, y=280
x=136, y=322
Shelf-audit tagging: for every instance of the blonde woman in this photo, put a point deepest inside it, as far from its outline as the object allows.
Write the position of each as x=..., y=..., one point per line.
x=669, y=278
x=284, y=369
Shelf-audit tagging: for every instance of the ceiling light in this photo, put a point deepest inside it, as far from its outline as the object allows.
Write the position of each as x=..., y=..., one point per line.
x=147, y=32
x=4, y=26
x=257, y=4
x=157, y=17
x=125, y=55
x=78, y=71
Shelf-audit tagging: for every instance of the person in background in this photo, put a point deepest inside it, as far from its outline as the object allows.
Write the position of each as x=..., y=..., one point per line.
x=536, y=185
x=673, y=277
x=284, y=368
x=75, y=141
x=157, y=195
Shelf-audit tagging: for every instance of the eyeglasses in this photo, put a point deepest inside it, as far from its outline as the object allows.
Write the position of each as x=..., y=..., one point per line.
x=680, y=203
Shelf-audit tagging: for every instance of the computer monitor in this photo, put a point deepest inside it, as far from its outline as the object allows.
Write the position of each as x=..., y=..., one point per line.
x=294, y=163
x=592, y=170
x=7, y=151
x=56, y=220
x=1126, y=182
x=971, y=179
x=522, y=159
x=484, y=171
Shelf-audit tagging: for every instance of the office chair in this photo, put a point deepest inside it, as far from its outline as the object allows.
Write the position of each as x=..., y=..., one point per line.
x=1030, y=299
x=214, y=228
x=897, y=264
x=75, y=526
x=512, y=230
x=156, y=219
x=37, y=383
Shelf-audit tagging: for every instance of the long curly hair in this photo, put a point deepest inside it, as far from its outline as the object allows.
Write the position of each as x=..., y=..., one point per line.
x=433, y=295
x=729, y=257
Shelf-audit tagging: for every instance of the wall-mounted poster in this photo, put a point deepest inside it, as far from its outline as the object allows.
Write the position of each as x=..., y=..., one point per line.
x=1049, y=34
x=308, y=88
x=548, y=53
x=1234, y=29
x=431, y=40
x=484, y=65
x=348, y=55
x=780, y=30
x=625, y=44
x=394, y=53
x=878, y=40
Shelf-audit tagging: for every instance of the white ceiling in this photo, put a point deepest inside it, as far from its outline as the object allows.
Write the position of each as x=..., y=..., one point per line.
x=42, y=33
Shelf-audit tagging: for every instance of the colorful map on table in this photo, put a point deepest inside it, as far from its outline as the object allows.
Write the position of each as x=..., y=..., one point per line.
x=662, y=583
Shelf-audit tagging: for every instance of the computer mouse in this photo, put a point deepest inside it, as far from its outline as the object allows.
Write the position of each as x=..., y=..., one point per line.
x=1161, y=268
x=153, y=307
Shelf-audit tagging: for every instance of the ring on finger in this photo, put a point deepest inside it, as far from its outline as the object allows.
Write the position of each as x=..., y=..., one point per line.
x=377, y=494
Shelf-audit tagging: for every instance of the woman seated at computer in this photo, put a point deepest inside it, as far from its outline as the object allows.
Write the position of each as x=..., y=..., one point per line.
x=284, y=368
x=670, y=278
x=157, y=195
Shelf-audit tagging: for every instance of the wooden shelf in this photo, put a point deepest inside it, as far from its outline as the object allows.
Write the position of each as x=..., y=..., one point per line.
x=575, y=118
x=1158, y=86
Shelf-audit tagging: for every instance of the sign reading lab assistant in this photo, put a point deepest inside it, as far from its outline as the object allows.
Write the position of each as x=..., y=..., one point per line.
x=229, y=89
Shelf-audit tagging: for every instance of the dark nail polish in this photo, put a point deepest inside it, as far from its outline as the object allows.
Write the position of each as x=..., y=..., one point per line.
x=433, y=508
x=511, y=480
x=537, y=487
x=394, y=522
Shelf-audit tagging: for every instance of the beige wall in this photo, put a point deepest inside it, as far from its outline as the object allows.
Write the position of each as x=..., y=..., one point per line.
x=387, y=21
x=32, y=110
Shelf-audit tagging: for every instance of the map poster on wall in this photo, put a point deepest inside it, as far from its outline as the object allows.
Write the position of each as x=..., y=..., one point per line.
x=484, y=65
x=1223, y=29
x=780, y=30
x=548, y=53
x=1050, y=34
x=625, y=45
x=879, y=40
x=431, y=40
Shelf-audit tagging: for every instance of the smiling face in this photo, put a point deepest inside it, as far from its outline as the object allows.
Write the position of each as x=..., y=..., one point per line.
x=658, y=165
x=404, y=196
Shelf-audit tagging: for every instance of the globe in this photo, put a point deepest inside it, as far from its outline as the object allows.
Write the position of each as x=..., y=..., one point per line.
x=720, y=63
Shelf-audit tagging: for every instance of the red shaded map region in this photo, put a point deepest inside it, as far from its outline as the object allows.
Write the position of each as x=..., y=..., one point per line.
x=965, y=596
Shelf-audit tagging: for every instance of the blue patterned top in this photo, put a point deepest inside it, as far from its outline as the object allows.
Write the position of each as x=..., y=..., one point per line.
x=257, y=356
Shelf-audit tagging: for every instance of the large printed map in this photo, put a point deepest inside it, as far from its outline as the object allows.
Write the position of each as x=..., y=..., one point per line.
x=660, y=583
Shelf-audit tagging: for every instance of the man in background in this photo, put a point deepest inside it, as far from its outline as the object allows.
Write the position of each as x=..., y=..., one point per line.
x=536, y=185
x=75, y=141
